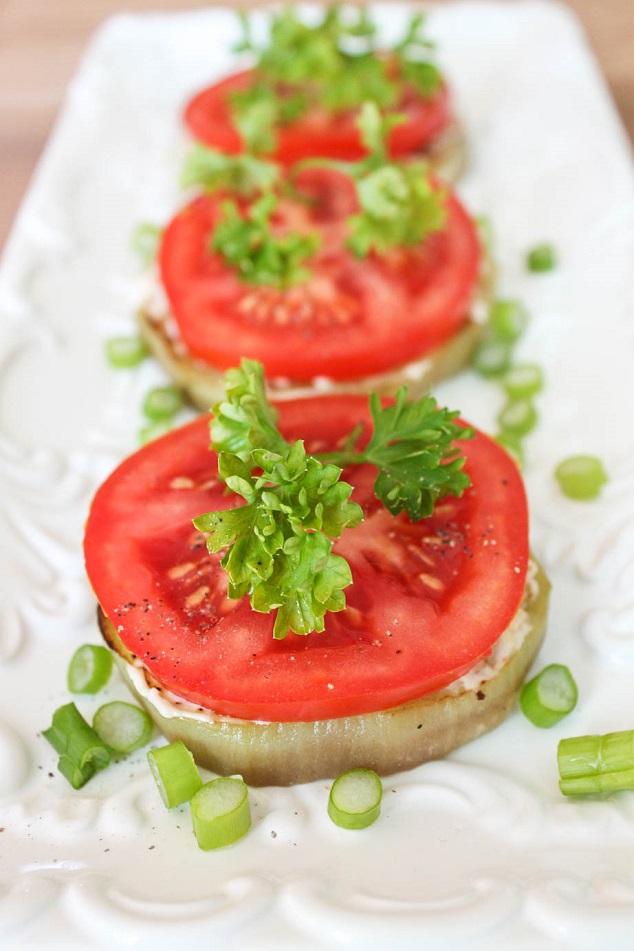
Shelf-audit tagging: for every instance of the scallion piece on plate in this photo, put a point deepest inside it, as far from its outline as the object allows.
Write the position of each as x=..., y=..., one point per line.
x=154, y=431
x=550, y=696
x=492, y=356
x=82, y=753
x=220, y=812
x=355, y=799
x=596, y=764
x=542, y=257
x=581, y=477
x=89, y=669
x=523, y=380
x=146, y=238
x=508, y=319
x=123, y=727
x=162, y=403
x=513, y=445
x=125, y=352
x=175, y=773
x=518, y=416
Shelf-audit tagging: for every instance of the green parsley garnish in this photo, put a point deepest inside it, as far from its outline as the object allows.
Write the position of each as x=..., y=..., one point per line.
x=248, y=243
x=333, y=63
x=242, y=174
x=399, y=206
x=279, y=544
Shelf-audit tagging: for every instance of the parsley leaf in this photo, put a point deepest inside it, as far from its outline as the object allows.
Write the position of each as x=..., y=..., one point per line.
x=412, y=54
x=242, y=174
x=279, y=544
x=398, y=204
x=333, y=63
x=247, y=242
x=412, y=447
x=245, y=420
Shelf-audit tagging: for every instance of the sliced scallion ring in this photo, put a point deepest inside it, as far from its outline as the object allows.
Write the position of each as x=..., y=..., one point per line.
x=146, y=238
x=175, y=773
x=220, y=812
x=519, y=417
x=523, y=380
x=82, y=752
x=355, y=799
x=513, y=445
x=492, y=357
x=550, y=696
x=542, y=257
x=89, y=669
x=581, y=477
x=123, y=727
x=125, y=352
x=162, y=403
x=508, y=319
x=154, y=431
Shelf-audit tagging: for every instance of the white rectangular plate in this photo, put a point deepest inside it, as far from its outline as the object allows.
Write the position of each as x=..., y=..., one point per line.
x=479, y=850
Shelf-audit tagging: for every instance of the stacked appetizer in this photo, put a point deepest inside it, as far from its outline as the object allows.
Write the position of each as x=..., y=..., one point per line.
x=302, y=95
x=337, y=276
x=335, y=580
x=350, y=588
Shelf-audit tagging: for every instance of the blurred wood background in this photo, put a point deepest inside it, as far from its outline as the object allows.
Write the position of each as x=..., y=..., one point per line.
x=41, y=42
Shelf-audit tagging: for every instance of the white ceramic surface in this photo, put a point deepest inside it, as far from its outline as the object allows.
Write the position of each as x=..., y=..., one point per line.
x=480, y=850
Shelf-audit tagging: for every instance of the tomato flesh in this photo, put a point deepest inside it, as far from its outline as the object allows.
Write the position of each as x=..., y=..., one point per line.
x=319, y=133
x=428, y=599
x=352, y=318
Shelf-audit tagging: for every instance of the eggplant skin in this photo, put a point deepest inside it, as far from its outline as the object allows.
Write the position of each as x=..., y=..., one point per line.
x=282, y=754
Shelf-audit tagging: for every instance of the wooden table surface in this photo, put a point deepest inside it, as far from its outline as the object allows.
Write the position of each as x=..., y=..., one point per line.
x=41, y=42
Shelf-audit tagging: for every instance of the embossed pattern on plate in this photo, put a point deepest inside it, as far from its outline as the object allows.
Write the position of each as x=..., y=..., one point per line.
x=478, y=850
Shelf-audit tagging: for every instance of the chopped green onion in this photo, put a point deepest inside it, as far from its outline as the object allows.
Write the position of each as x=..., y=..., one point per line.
x=175, y=773
x=518, y=417
x=162, y=403
x=355, y=799
x=81, y=751
x=492, y=356
x=581, y=477
x=154, y=431
x=523, y=380
x=596, y=764
x=122, y=726
x=541, y=258
x=508, y=319
x=220, y=812
x=513, y=445
x=145, y=242
x=89, y=669
x=550, y=696
x=125, y=352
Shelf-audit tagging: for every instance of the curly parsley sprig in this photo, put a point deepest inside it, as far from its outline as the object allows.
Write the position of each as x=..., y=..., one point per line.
x=399, y=206
x=244, y=174
x=334, y=62
x=248, y=243
x=279, y=544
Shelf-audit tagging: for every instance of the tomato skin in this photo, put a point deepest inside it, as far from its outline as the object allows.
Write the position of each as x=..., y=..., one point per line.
x=208, y=118
x=428, y=599
x=353, y=318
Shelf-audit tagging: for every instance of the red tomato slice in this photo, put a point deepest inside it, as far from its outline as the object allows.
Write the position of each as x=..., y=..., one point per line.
x=208, y=117
x=428, y=599
x=353, y=317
